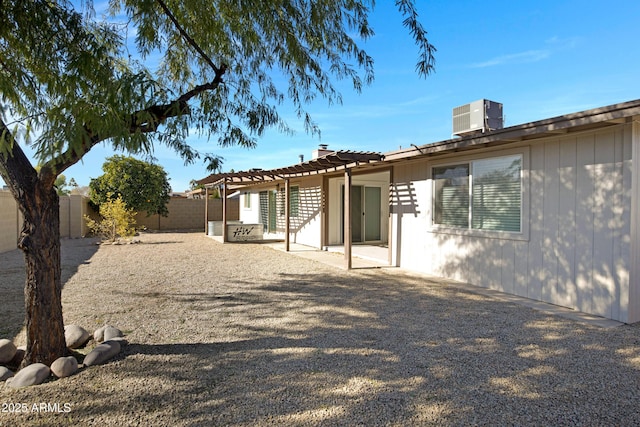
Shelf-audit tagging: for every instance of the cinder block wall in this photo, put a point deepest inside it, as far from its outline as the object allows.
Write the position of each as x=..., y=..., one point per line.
x=184, y=214
x=72, y=222
x=188, y=214
x=10, y=222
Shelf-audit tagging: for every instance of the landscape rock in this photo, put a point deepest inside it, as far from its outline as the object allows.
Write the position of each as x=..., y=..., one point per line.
x=64, y=366
x=98, y=334
x=7, y=350
x=121, y=340
x=5, y=373
x=111, y=332
x=102, y=353
x=105, y=333
x=33, y=374
x=76, y=336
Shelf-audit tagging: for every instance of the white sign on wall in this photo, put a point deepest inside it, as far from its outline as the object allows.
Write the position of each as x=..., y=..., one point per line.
x=244, y=232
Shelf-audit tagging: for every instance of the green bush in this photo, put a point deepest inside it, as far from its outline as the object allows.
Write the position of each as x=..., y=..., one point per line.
x=117, y=221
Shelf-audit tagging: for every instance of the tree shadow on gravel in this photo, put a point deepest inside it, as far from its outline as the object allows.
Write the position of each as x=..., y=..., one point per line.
x=74, y=252
x=383, y=349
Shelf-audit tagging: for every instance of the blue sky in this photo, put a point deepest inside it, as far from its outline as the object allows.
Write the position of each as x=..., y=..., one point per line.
x=539, y=59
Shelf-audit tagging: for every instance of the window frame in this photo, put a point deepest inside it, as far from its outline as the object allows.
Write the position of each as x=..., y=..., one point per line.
x=246, y=202
x=523, y=234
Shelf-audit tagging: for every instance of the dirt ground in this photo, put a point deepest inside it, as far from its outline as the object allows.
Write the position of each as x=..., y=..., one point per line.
x=244, y=335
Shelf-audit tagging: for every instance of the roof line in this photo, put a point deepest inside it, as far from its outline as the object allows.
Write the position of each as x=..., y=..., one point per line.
x=536, y=129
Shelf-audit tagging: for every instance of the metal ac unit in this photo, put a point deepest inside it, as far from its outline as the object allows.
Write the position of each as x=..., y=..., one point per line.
x=478, y=116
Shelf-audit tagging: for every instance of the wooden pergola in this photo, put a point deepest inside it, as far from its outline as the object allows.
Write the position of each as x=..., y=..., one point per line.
x=330, y=163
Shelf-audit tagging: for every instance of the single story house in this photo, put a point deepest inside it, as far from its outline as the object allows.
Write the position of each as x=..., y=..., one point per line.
x=546, y=210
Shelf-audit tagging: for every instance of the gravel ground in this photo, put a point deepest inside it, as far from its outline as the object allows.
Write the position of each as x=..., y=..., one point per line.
x=244, y=335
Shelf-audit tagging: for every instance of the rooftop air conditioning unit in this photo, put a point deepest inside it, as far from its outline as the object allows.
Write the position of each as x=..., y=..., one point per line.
x=479, y=116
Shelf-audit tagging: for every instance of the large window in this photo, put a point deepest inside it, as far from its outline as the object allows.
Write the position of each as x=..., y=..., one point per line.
x=482, y=194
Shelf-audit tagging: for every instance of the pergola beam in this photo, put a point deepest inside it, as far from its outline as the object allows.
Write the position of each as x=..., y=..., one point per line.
x=331, y=162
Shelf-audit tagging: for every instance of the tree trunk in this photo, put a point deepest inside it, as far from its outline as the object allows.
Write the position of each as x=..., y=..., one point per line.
x=40, y=242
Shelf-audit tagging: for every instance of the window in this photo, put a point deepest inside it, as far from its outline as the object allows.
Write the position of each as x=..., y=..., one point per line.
x=294, y=201
x=482, y=194
x=246, y=196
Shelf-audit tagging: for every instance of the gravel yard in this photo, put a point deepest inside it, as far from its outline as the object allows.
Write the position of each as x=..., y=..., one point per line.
x=244, y=335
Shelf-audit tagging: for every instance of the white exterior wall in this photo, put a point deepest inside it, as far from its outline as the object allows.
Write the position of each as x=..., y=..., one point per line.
x=250, y=215
x=575, y=246
x=304, y=228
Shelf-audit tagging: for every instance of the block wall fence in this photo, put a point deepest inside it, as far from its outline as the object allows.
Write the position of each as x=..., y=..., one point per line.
x=184, y=214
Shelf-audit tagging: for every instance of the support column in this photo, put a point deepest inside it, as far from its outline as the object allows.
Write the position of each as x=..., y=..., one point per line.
x=206, y=210
x=324, y=209
x=287, y=211
x=390, y=240
x=347, y=218
x=224, y=211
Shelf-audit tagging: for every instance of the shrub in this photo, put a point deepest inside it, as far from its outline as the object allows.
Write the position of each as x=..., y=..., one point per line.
x=117, y=221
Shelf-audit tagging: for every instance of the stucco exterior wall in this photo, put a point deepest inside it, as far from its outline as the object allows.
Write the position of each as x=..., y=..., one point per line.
x=305, y=228
x=575, y=245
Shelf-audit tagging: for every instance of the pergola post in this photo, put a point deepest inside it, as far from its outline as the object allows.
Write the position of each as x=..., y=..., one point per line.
x=347, y=218
x=287, y=212
x=224, y=210
x=206, y=210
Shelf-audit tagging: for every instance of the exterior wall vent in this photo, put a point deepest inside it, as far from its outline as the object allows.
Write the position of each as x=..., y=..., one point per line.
x=478, y=116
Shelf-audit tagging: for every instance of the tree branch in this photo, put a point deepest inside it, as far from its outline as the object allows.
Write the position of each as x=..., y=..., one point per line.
x=15, y=168
x=145, y=121
x=186, y=36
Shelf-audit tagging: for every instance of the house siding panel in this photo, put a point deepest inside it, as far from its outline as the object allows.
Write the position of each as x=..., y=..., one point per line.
x=567, y=179
x=575, y=249
x=536, y=230
x=624, y=260
x=633, y=313
x=550, y=214
x=604, y=198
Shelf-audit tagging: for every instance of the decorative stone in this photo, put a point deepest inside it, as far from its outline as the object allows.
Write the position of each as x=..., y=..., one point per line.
x=102, y=353
x=111, y=332
x=7, y=350
x=33, y=374
x=98, y=335
x=5, y=373
x=76, y=336
x=64, y=366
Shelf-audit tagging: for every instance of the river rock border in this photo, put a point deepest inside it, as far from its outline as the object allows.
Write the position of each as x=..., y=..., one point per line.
x=108, y=341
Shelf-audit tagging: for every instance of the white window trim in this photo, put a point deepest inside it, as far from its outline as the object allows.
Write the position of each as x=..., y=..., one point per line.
x=523, y=234
x=246, y=196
